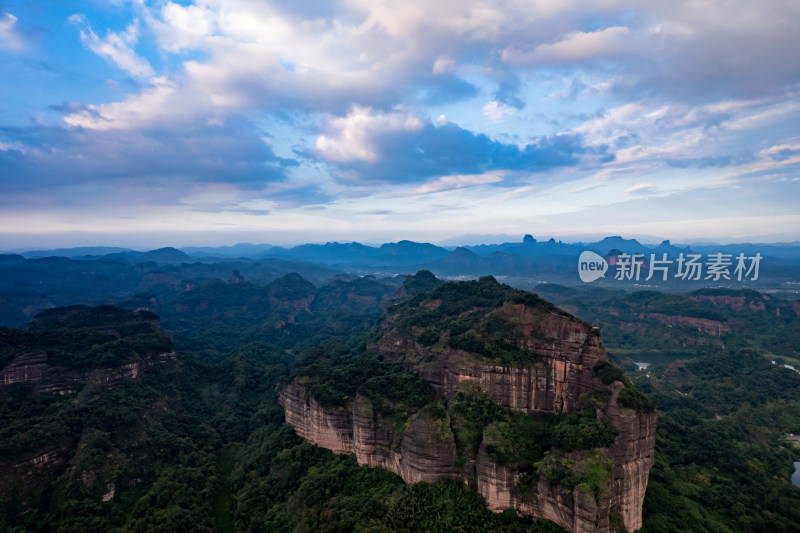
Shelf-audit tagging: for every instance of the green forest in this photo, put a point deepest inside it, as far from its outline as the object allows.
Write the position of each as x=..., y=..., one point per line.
x=198, y=441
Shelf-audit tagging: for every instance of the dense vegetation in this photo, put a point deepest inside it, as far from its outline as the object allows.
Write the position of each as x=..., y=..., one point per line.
x=84, y=338
x=199, y=444
x=721, y=455
x=639, y=325
x=469, y=316
x=338, y=378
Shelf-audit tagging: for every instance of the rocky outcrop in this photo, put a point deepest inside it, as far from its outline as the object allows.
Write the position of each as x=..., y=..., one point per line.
x=734, y=302
x=577, y=512
x=706, y=325
x=633, y=454
x=112, y=376
x=291, y=308
x=425, y=451
x=557, y=378
x=327, y=428
x=21, y=476
x=25, y=368
x=34, y=368
x=565, y=348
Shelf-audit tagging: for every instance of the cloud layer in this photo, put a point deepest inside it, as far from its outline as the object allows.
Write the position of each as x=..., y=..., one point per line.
x=498, y=112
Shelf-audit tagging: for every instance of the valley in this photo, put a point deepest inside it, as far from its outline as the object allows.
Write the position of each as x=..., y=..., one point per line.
x=147, y=396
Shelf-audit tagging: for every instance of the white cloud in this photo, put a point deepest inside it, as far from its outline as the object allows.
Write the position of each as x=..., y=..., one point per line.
x=497, y=111
x=10, y=39
x=780, y=148
x=351, y=137
x=159, y=103
x=575, y=47
x=118, y=47
x=685, y=87
x=642, y=189
x=443, y=65
x=184, y=27
x=458, y=182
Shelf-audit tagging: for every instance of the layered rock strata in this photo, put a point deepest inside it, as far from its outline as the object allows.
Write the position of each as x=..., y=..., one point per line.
x=34, y=368
x=560, y=377
x=425, y=451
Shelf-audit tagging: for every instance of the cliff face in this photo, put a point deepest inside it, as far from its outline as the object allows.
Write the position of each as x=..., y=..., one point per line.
x=706, y=325
x=67, y=351
x=554, y=384
x=734, y=302
x=633, y=455
x=424, y=452
x=577, y=512
x=329, y=429
x=557, y=377
x=427, y=451
x=33, y=368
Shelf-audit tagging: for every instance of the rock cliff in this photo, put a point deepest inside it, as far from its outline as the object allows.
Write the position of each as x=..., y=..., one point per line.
x=424, y=451
x=755, y=302
x=34, y=369
x=527, y=356
x=706, y=325
x=564, y=346
x=66, y=351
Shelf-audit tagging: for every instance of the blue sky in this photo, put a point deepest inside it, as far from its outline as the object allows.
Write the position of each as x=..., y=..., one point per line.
x=151, y=123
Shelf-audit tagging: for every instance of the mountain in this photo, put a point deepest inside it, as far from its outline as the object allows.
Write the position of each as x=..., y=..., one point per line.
x=100, y=433
x=59, y=382
x=81, y=251
x=501, y=391
x=773, y=267
x=394, y=255
x=407, y=253
x=241, y=250
x=658, y=328
x=330, y=253
x=472, y=239
x=162, y=255
x=463, y=262
x=29, y=286
x=531, y=248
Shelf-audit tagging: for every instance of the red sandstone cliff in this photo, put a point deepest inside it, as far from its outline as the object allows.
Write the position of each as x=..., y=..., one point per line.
x=559, y=378
x=425, y=451
x=34, y=368
x=706, y=325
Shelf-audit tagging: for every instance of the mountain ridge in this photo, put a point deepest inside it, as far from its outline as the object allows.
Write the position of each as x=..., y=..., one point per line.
x=484, y=343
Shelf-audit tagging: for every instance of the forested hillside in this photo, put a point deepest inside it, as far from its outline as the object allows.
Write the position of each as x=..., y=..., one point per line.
x=198, y=441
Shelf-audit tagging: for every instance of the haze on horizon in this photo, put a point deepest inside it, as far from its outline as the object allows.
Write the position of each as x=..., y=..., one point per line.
x=208, y=122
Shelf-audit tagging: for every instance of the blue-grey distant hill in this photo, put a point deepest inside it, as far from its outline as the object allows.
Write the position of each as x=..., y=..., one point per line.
x=399, y=254
x=528, y=260
x=166, y=255
x=80, y=251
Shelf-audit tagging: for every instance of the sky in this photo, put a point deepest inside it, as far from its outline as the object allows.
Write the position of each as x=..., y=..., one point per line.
x=208, y=122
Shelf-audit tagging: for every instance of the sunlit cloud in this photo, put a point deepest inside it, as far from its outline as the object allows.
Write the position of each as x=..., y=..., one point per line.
x=642, y=189
x=505, y=109
x=497, y=111
x=457, y=182
x=575, y=47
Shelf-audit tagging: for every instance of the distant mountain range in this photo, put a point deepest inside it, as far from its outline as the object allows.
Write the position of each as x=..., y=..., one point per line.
x=406, y=252
x=529, y=261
